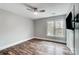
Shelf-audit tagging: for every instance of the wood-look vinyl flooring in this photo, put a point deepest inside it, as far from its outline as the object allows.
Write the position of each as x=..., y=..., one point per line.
x=37, y=47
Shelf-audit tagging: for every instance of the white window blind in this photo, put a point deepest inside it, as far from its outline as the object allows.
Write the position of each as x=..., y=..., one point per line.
x=55, y=28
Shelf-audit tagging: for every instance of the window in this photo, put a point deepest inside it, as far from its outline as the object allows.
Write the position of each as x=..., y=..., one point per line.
x=50, y=28
x=55, y=28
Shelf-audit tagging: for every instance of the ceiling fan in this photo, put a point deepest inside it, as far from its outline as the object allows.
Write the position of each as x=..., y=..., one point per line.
x=33, y=9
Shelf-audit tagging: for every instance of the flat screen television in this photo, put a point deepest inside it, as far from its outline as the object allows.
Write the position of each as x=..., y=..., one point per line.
x=77, y=18
x=69, y=21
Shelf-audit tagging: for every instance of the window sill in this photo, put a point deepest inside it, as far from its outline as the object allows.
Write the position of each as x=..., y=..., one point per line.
x=55, y=36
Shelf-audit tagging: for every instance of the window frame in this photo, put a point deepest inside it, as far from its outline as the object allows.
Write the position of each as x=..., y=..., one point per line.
x=55, y=28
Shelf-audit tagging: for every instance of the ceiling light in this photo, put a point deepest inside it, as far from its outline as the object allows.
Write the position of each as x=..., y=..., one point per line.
x=35, y=13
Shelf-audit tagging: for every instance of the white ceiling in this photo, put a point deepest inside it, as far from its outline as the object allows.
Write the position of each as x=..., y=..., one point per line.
x=52, y=9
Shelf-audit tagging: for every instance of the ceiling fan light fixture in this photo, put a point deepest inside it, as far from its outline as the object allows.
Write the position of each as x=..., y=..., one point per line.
x=35, y=13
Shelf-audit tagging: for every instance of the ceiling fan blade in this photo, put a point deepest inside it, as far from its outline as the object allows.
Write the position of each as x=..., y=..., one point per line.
x=27, y=5
x=41, y=10
x=30, y=9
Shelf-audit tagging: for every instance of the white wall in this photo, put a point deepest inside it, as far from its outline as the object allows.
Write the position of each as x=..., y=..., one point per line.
x=77, y=41
x=76, y=30
x=14, y=28
x=70, y=39
x=40, y=28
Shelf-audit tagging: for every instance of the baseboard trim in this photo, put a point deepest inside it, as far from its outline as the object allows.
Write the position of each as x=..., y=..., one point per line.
x=48, y=40
x=7, y=46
